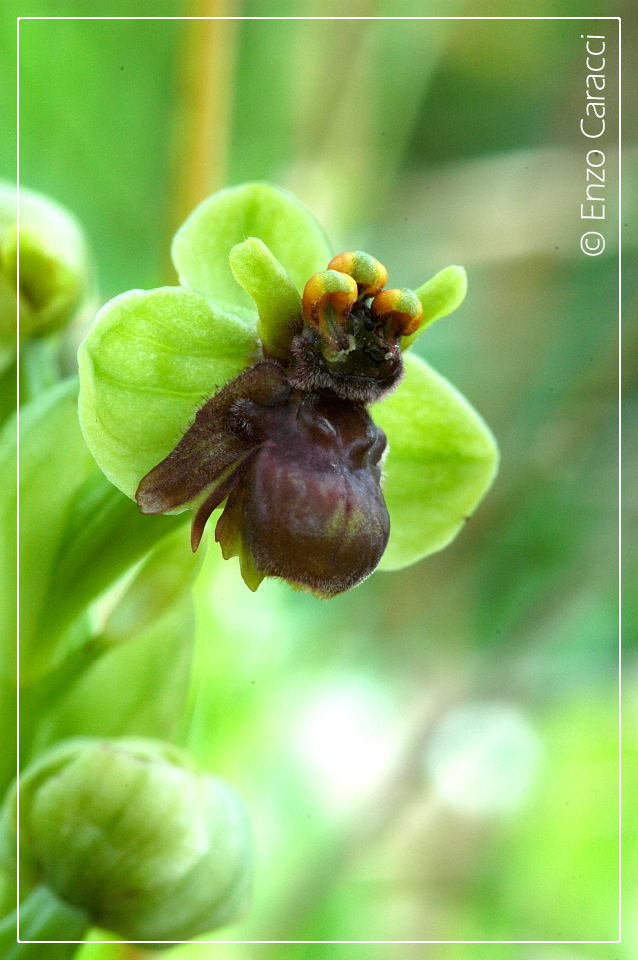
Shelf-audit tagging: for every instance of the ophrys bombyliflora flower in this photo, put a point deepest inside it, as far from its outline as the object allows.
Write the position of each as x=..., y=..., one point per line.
x=191, y=397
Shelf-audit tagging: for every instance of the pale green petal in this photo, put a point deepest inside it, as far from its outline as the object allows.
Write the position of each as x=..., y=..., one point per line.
x=150, y=361
x=442, y=459
x=271, y=287
x=439, y=296
x=201, y=246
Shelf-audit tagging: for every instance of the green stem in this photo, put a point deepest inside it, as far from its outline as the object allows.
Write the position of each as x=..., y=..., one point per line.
x=39, y=366
x=43, y=917
x=36, y=699
x=8, y=374
x=7, y=733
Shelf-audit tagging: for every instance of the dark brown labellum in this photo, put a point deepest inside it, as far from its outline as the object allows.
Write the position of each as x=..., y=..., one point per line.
x=301, y=476
x=309, y=506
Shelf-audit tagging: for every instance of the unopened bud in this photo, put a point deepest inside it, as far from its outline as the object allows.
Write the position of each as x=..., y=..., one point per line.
x=129, y=833
x=55, y=275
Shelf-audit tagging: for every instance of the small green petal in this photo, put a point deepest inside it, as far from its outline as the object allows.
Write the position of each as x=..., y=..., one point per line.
x=271, y=287
x=439, y=296
x=201, y=246
x=150, y=361
x=442, y=459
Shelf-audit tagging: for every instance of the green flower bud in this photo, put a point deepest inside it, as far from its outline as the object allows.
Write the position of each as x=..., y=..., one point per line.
x=127, y=832
x=55, y=267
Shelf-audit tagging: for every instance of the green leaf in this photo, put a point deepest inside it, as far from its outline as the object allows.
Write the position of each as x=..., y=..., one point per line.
x=271, y=287
x=43, y=917
x=151, y=359
x=104, y=536
x=442, y=459
x=8, y=312
x=53, y=464
x=439, y=296
x=290, y=231
x=139, y=682
x=79, y=533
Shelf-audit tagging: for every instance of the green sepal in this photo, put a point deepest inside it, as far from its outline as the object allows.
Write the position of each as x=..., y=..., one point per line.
x=439, y=296
x=442, y=459
x=289, y=230
x=271, y=287
x=151, y=359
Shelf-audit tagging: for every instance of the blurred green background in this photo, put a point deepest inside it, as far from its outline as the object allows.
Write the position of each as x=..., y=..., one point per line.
x=433, y=756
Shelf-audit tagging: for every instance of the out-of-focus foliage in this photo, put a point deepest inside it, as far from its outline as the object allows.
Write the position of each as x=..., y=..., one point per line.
x=428, y=142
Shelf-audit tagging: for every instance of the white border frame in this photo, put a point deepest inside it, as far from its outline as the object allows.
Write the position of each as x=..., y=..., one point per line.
x=175, y=942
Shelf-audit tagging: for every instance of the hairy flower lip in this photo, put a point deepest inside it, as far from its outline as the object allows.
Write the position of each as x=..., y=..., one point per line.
x=271, y=450
x=308, y=371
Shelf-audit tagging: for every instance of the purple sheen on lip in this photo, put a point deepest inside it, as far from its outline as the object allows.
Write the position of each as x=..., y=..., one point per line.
x=309, y=507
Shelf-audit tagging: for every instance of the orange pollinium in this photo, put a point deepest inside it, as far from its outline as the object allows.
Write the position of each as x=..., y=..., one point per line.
x=400, y=309
x=350, y=343
x=328, y=298
x=370, y=275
